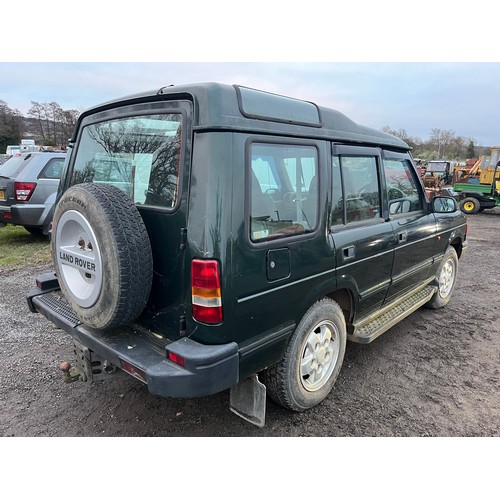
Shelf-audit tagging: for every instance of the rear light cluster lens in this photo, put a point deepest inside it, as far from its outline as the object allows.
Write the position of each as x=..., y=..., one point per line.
x=206, y=294
x=24, y=190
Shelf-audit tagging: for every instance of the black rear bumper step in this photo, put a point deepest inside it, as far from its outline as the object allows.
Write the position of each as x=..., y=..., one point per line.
x=207, y=369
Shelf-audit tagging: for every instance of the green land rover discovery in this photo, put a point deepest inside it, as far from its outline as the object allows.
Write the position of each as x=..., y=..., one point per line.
x=210, y=237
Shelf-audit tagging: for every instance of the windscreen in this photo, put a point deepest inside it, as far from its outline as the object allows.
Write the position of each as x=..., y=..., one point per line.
x=138, y=154
x=437, y=166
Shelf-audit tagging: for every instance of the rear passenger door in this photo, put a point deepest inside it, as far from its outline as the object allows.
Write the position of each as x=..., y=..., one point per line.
x=363, y=238
x=413, y=225
x=283, y=253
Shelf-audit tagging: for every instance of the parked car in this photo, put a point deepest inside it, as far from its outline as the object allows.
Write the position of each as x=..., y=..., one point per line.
x=213, y=237
x=28, y=188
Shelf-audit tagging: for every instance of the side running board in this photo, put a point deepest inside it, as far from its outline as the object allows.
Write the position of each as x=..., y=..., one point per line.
x=375, y=325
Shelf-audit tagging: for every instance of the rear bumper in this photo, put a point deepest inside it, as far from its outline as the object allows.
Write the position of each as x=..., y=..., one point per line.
x=5, y=210
x=28, y=215
x=207, y=369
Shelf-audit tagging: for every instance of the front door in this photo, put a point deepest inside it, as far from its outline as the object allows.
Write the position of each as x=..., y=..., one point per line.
x=413, y=225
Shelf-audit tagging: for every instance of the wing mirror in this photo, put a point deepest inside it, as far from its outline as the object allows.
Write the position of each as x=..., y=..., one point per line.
x=444, y=204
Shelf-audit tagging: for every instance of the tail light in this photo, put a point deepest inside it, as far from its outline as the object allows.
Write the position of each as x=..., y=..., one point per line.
x=24, y=190
x=206, y=294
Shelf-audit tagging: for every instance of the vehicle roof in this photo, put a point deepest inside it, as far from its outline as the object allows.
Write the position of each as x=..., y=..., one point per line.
x=222, y=106
x=24, y=154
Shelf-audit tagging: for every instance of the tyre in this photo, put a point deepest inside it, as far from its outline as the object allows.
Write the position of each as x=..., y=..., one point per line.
x=470, y=205
x=311, y=364
x=446, y=277
x=102, y=255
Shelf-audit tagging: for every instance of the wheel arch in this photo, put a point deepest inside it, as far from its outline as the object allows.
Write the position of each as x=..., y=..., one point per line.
x=344, y=299
x=457, y=245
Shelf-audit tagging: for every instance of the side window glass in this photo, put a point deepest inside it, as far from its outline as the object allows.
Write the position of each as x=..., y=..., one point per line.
x=283, y=191
x=337, y=215
x=53, y=169
x=361, y=188
x=403, y=194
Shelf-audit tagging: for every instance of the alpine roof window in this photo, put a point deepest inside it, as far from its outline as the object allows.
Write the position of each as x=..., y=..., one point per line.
x=264, y=105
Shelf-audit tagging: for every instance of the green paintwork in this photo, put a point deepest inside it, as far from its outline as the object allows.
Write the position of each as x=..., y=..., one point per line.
x=262, y=303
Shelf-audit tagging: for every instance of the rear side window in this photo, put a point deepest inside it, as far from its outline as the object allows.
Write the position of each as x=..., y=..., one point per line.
x=283, y=190
x=53, y=169
x=138, y=154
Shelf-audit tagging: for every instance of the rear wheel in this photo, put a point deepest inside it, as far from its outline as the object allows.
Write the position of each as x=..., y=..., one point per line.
x=102, y=255
x=470, y=205
x=306, y=374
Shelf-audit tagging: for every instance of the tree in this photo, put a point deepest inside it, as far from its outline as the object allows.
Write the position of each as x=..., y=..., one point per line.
x=55, y=124
x=442, y=144
x=413, y=142
x=39, y=113
x=442, y=140
x=471, y=151
x=11, y=126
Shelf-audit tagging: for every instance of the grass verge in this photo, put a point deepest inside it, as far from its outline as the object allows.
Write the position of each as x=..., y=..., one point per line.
x=18, y=248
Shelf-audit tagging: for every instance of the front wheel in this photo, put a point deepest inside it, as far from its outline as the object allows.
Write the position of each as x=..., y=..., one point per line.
x=470, y=205
x=311, y=364
x=446, y=277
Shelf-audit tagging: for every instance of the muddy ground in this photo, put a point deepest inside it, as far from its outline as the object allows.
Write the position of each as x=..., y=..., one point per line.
x=434, y=374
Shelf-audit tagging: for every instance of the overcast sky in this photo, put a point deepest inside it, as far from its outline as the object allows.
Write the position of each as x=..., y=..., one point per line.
x=417, y=97
x=410, y=89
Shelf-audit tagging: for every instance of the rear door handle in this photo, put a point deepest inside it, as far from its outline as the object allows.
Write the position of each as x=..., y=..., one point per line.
x=403, y=237
x=348, y=252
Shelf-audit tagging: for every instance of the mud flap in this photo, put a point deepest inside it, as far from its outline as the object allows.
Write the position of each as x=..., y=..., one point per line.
x=248, y=401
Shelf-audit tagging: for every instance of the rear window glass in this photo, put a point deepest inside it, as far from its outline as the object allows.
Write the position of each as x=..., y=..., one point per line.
x=13, y=165
x=139, y=154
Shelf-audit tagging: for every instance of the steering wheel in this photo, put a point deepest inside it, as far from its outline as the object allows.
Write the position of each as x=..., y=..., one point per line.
x=394, y=193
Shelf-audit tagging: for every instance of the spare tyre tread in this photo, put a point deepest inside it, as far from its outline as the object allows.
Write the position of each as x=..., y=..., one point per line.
x=129, y=242
x=132, y=231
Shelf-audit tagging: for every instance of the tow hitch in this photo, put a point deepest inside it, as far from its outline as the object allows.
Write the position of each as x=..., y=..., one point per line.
x=89, y=367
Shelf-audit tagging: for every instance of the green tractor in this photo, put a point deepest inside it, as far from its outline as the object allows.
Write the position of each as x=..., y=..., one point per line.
x=476, y=196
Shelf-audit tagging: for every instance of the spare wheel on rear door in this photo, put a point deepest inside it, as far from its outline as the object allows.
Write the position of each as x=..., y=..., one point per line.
x=102, y=254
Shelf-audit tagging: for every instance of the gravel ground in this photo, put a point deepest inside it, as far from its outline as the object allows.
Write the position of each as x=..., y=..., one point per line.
x=434, y=374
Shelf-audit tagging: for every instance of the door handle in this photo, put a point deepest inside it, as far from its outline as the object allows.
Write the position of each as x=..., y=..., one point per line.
x=348, y=252
x=403, y=237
